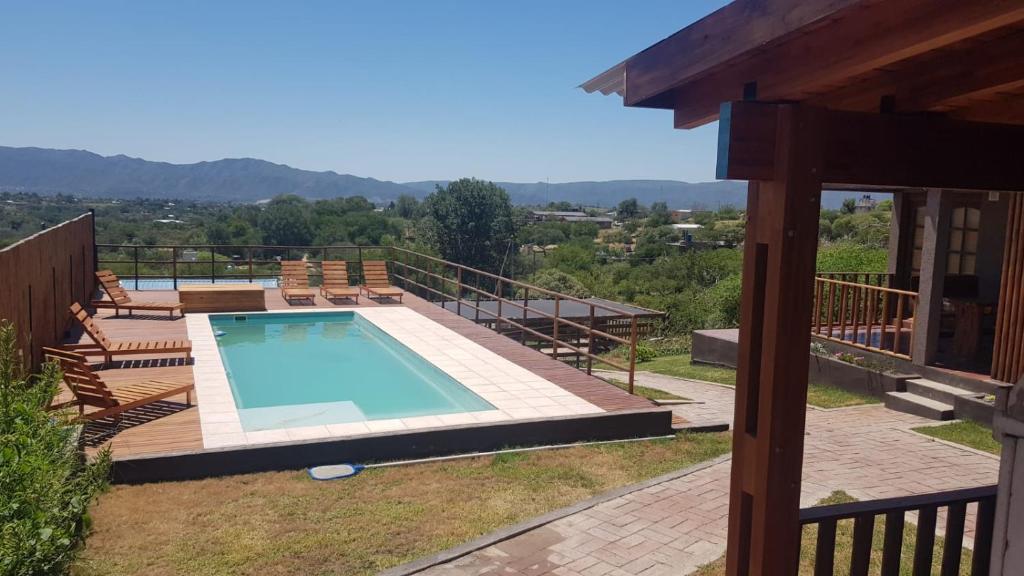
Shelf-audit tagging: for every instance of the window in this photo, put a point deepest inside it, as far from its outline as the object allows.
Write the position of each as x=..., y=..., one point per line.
x=963, y=241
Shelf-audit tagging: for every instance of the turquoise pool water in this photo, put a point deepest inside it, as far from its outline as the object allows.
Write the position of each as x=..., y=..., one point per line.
x=304, y=369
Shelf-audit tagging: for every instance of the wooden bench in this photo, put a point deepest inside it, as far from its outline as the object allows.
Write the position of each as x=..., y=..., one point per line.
x=222, y=297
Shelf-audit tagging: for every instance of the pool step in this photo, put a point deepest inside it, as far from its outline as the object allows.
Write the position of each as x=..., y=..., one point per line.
x=912, y=403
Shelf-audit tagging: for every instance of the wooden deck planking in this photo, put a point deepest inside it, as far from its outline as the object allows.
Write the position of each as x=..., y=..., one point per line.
x=169, y=427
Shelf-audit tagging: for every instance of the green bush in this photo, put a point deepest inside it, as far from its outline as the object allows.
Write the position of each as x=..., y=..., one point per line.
x=558, y=281
x=645, y=353
x=847, y=256
x=45, y=485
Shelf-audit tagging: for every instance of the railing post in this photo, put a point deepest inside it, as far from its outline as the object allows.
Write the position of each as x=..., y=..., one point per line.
x=632, y=353
x=526, y=304
x=458, y=291
x=136, y=266
x=249, y=254
x=554, y=330
x=213, y=267
x=590, y=342
x=477, y=293
x=497, y=319
x=174, y=267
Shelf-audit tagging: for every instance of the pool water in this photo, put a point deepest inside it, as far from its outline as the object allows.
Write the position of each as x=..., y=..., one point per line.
x=304, y=369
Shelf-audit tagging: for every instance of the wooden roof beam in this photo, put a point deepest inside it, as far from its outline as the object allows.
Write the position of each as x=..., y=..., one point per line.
x=868, y=37
x=858, y=148
x=939, y=77
x=720, y=37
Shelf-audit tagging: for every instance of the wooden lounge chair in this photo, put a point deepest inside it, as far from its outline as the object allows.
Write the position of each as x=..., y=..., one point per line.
x=108, y=348
x=335, y=284
x=90, y=390
x=119, y=298
x=295, y=281
x=376, y=283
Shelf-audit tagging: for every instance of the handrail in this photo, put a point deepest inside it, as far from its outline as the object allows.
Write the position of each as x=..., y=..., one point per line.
x=249, y=269
x=894, y=510
x=864, y=316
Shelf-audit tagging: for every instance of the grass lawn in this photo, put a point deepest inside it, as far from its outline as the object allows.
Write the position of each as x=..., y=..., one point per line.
x=820, y=395
x=284, y=523
x=844, y=545
x=965, y=432
x=649, y=393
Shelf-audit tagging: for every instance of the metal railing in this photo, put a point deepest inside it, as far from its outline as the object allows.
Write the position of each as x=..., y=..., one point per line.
x=441, y=280
x=870, y=317
x=894, y=511
x=452, y=282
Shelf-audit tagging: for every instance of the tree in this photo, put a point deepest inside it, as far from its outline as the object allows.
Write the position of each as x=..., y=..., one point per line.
x=558, y=281
x=285, y=222
x=628, y=209
x=472, y=223
x=849, y=206
x=407, y=207
x=660, y=216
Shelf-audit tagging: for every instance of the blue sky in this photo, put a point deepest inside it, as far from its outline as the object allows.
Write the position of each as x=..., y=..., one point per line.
x=410, y=90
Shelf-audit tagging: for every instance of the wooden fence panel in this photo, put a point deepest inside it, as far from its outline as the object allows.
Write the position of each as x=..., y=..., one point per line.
x=40, y=277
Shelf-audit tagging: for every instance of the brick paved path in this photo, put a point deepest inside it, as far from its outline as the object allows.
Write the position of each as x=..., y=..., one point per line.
x=676, y=526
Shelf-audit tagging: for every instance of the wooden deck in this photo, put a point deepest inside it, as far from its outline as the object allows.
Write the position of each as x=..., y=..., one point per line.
x=170, y=427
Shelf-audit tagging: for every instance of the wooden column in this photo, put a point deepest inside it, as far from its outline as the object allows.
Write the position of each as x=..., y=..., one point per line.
x=934, y=251
x=901, y=240
x=771, y=387
x=1008, y=352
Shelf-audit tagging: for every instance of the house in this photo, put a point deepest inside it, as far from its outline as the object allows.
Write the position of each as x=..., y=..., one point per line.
x=921, y=99
x=865, y=204
x=681, y=215
x=558, y=216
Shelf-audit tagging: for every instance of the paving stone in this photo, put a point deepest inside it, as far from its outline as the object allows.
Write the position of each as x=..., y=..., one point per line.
x=679, y=525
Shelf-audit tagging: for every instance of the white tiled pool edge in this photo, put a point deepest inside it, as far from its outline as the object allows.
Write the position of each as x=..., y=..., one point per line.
x=516, y=393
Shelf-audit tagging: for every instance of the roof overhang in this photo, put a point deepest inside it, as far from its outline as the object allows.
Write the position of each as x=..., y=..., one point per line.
x=963, y=59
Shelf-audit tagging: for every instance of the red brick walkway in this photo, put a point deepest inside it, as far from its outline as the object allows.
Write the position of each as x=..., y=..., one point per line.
x=676, y=526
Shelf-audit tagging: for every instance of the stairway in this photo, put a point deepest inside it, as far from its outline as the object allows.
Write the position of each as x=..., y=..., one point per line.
x=928, y=399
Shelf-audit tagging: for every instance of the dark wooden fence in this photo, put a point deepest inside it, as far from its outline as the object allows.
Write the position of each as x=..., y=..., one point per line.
x=40, y=277
x=917, y=555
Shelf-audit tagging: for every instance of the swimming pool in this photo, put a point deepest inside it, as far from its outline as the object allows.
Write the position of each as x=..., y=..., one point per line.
x=129, y=283
x=304, y=369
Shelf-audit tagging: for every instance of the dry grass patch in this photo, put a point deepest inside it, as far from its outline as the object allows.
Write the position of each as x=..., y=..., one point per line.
x=285, y=523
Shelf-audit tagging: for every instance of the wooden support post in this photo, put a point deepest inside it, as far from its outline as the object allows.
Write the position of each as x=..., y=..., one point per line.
x=771, y=384
x=935, y=245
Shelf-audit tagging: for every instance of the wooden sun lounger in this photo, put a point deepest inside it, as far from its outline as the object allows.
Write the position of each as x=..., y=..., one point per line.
x=295, y=281
x=109, y=348
x=335, y=284
x=119, y=298
x=90, y=390
x=376, y=283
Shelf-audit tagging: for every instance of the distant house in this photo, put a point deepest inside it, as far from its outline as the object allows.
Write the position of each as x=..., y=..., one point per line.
x=865, y=204
x=556, y=216
x=681, y=215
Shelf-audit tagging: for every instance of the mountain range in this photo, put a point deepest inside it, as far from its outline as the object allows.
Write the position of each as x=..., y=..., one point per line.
x=86, y=174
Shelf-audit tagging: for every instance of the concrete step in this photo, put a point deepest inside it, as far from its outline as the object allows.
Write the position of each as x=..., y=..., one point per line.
x=918, y=405
x=933, y=390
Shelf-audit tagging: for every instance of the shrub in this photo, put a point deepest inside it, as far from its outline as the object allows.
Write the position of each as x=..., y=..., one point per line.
x=554, y=279
x=645, y=353
x=45, y=485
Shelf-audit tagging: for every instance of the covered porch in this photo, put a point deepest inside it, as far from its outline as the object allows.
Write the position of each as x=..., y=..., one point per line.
x=919, y=97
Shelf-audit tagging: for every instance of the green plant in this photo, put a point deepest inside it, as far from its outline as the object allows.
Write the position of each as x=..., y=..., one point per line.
x=45, y=486
x=645, y=353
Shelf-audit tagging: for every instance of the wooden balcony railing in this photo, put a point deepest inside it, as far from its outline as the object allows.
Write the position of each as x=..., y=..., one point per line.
x=880, y=279
x=866, y=316
x=960, y=508
x=436, y=279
